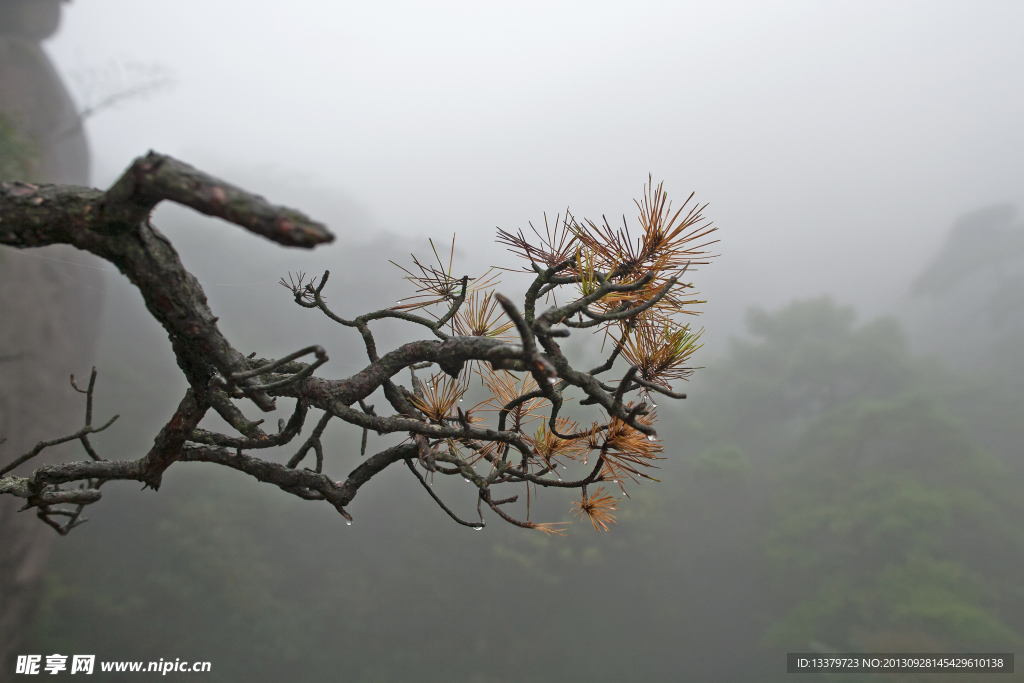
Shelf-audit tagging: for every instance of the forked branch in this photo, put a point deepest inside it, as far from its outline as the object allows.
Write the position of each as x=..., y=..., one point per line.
x=610, y=282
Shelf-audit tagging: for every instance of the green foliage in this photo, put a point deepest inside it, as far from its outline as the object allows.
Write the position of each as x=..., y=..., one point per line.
x=879, y=518
x=824, y=488
x=886, y=519
x=723, y=461
x=18, y=155
x=803, y=361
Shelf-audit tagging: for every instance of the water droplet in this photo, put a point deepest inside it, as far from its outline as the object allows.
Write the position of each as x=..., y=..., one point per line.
x=465, y=480
x=652, y=437
x=552, y=380
x=348, y=522
x=478, y=527
x=565, y=467
x=655, y=405
x=460, y=400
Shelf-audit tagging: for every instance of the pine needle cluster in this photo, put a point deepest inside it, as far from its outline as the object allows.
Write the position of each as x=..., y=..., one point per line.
x=627, y=283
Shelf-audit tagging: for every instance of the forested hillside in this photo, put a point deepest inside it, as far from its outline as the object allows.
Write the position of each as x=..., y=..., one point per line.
x=827, y=488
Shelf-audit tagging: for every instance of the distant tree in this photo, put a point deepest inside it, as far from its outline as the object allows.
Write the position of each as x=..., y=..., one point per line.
x=893, y=531
x=797, y=364
x=860, y=498
x=627, y=288
x=979, y=273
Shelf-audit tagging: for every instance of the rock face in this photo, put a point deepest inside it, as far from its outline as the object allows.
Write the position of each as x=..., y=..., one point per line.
x=50, y=299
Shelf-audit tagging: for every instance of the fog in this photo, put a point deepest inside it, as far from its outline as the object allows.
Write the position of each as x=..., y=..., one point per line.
x=835, y=142
x=838, y=147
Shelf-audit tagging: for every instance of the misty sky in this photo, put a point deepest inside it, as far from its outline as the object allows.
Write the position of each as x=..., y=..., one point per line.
x=835, y=142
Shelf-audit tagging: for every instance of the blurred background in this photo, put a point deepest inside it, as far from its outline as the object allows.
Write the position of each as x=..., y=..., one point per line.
x=846, y=474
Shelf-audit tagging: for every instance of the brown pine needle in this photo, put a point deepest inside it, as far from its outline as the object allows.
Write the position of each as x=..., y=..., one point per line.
x=661, y=350
x=598, y=509
x=440, y=394
x=505, y=388
x=480, y=316
x=550, y=528
x=556, y=245
x=438, y=284
x=548, y=446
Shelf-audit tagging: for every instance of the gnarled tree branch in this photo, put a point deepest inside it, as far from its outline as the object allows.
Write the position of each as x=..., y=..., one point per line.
x=619, y=287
